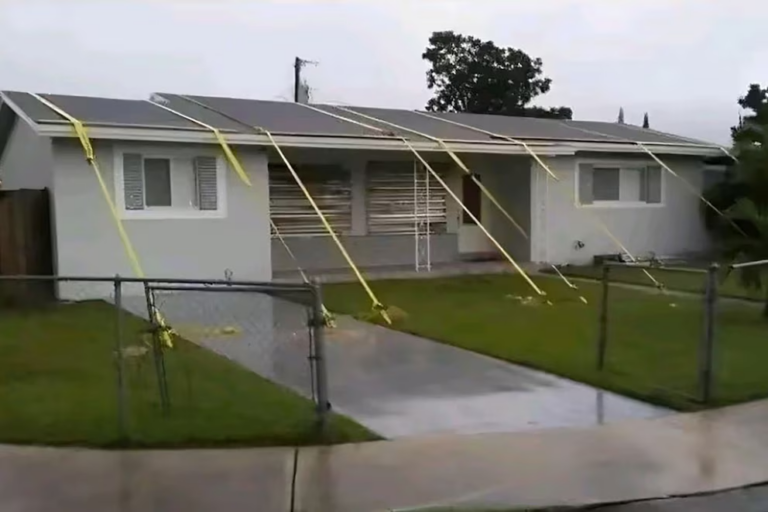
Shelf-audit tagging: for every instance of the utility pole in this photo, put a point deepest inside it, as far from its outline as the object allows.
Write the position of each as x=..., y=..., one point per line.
x=300, y=88
x=297, y=65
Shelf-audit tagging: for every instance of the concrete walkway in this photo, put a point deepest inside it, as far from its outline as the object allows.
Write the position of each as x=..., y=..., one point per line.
x=634, y=460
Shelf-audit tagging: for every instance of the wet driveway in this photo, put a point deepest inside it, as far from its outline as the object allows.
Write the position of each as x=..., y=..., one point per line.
x=402, y=385
x=395, y=384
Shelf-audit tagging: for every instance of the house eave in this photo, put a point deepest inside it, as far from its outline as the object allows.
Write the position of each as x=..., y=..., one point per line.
x=547, y=148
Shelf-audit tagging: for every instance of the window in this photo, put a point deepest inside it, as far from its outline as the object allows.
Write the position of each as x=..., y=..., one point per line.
x=396, y=198
x=331, y=188
x=628, y=185
x=170, y=187
x=157, y=182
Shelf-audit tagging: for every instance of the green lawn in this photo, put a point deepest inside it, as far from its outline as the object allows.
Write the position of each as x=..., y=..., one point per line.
x=729, y=285
x=653, y=338
x=58, y=386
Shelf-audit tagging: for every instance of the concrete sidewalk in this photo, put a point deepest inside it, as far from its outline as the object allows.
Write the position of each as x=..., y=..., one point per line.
x=641, y=459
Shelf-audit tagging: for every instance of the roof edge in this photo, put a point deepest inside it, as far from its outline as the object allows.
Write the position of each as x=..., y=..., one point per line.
x=547, y=148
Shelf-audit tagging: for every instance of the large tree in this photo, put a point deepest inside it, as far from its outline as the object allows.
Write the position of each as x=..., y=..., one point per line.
x=743, y=233
x=471, y=75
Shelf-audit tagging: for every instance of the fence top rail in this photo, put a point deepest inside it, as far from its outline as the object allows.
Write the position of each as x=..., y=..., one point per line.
x=163, y=280
x=688, y=270
x=756, y=263
x=224, y=289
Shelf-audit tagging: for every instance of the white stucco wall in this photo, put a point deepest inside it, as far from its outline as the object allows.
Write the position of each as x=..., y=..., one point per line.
x=27, y=159
x=508, y=179
x=88, y=243
x=672, y=228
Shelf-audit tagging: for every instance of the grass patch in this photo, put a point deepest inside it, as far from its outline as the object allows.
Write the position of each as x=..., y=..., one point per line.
x=653, y=338
x=58, y=387
x=728, y=285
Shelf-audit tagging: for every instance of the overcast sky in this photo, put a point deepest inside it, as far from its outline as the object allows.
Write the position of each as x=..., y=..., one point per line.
x=686, y=62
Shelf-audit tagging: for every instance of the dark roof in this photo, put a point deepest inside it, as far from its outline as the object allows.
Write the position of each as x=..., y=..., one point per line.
x=245, y=115
x=411, y=121
x=629, y=132
x=205, y=115
x=283, y=117
x=523, y=127
x=100, y=111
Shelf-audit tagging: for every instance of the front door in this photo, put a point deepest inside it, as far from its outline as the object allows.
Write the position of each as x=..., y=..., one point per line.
x=472, y=240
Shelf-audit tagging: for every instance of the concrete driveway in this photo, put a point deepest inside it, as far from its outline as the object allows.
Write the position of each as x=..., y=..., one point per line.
x=395, y=384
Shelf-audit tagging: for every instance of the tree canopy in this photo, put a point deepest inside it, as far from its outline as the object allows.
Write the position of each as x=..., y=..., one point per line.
x=743, y=197
x=471, y=75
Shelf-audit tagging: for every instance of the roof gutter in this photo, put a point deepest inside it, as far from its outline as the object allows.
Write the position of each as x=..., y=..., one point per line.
x=548, y=148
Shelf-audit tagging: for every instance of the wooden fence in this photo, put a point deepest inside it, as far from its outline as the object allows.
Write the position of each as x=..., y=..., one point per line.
x=26, y=246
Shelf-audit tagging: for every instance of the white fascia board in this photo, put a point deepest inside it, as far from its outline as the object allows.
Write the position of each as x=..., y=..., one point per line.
x=372, y=143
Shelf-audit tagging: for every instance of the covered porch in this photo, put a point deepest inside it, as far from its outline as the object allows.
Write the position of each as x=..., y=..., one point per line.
x=394, y=217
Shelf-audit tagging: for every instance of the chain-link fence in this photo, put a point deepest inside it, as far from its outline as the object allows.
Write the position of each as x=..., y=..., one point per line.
x=160, y=361
x=662, y=340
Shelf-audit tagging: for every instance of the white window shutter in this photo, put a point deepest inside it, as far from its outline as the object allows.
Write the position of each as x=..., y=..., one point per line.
x=133, y=181
x=586, y=191
x=654, y=185
x=206, y=183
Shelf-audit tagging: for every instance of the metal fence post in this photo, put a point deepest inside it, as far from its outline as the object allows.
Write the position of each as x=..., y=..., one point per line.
x=121, y=414
x=321, y=375
x=707, y=348
x=157, y=350
x=602, y=341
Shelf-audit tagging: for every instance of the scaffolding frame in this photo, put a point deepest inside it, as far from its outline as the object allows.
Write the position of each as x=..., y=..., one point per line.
x=422, y=216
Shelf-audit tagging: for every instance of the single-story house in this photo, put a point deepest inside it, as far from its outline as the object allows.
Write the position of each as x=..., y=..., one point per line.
x=190, y=216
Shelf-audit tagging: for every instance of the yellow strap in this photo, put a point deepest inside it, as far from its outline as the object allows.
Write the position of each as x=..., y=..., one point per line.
x=670, y=171
x=234, y=162
x=444, y=185
x=450, y=152
x=330, y=322
x=475, y=219
x=597, y=220
x=377, y=305
x=90, y=157
x=329, y=318
x=231, y=158
x=691, y=188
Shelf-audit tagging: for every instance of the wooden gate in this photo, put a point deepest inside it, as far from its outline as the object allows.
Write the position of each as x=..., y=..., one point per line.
x=26, y=246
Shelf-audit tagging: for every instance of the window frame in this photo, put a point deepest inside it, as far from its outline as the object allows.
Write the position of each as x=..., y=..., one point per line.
x=170, y=212
x=598, y=163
